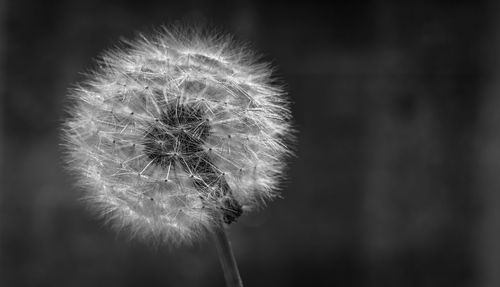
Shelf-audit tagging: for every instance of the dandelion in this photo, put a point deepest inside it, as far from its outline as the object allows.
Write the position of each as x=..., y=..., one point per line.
x=176, y=134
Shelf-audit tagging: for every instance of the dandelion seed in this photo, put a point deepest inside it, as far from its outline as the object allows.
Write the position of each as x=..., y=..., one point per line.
x=175, y=132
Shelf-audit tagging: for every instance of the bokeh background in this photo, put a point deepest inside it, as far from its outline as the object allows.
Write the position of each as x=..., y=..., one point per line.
x=397, y=176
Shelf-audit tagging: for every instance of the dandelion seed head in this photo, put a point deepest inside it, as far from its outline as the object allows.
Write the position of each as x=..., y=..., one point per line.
x=176, y=130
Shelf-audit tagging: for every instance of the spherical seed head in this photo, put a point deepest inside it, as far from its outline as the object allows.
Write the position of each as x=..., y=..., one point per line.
x=175, y=131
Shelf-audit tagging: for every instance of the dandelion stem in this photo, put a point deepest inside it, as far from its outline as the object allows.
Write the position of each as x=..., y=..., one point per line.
x=226, y=257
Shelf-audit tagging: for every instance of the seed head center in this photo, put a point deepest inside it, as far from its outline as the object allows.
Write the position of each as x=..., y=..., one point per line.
x=180, y=131
x=178, y=137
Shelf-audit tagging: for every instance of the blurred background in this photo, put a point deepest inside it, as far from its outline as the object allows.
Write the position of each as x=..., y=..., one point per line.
x=397, y=176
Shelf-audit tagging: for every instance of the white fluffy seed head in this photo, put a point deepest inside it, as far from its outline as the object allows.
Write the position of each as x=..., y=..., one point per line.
x=175, y=131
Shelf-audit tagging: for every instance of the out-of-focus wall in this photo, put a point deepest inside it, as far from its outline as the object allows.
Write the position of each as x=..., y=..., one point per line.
x=394, y=183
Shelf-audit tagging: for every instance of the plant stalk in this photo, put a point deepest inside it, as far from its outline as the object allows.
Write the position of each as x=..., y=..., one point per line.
x=226, y=257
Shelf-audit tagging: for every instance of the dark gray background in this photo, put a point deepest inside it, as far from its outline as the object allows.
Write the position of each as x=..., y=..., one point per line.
x=397, y=176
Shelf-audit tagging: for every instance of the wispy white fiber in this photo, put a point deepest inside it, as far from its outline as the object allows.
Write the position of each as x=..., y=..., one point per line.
x=173, y=130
